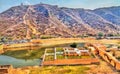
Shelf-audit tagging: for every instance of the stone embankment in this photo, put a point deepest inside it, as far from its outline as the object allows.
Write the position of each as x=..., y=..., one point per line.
x=100, y=50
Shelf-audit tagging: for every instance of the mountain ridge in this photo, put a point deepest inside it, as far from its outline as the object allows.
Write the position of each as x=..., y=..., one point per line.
x=44, y=19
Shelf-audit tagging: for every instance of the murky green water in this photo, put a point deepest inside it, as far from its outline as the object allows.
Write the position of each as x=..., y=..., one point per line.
x=18, y=58
x=5, y=60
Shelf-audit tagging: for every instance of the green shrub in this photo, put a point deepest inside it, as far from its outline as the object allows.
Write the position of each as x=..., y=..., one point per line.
x=74, y=45
x=118, y=47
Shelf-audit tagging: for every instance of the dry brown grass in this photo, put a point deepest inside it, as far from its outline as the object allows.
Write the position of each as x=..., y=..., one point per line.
x=77, y=40
x=102, y=68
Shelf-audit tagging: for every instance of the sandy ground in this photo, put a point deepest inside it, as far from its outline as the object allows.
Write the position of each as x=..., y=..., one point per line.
x=102, y=68
x=69, y=40
x=20, y=71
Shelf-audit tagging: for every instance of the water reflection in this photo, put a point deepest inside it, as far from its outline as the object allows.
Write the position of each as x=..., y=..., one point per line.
x=5, y=60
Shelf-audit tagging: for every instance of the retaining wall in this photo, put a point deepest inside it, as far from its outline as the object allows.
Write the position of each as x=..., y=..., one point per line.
x=21, y=46
x=72, y=62
x=100, y=50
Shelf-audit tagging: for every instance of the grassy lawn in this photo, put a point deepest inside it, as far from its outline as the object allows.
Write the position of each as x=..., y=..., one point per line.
x=26, y=54
x=49, y=58
x=60, y=70
x=59, y=49
x=78, y=57
x=73, y=57
x=50, y=51
x=60, y=57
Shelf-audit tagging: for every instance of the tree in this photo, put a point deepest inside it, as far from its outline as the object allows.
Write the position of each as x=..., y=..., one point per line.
x=118, y=47
x=3, y=39
x=100, y=35
x=74, y=45
x=110, y=34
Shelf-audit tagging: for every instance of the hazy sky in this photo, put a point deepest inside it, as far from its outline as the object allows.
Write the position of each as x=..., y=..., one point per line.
x=87, y=4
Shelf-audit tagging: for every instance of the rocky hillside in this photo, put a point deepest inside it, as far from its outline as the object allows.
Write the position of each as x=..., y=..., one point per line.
x=29, y=21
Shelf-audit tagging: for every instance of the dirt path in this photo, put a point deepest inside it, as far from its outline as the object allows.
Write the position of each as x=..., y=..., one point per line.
x=29, y=23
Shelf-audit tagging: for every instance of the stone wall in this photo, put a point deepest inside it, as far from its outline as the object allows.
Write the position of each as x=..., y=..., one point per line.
x=110, y=59
x=72, y=62
x=100, y=50
x=6, y=69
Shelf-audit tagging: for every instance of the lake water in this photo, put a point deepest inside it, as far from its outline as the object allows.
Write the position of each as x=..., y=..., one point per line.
x=5, y=60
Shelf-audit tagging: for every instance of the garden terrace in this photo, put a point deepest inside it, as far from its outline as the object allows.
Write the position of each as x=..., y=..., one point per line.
x=56, y=56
